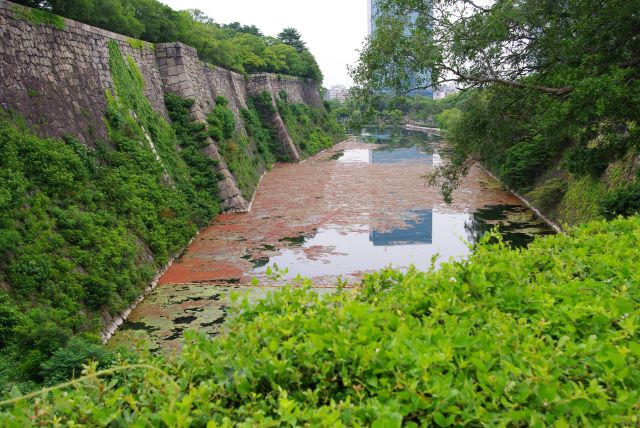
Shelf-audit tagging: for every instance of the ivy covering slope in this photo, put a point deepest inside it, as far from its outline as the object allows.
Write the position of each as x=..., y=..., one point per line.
x=543, y=336
x=82, y=231
x=311, y=130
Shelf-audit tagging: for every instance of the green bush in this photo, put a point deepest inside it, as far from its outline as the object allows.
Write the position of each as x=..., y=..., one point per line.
x=546, y=336
x=68, y=362
x=581, y=160
x=523, y=163
x=8, y=319
x=624, y=201
x=222, y=123
x=600, y=145
x=261, y=134
x=84, y=230
x=311, y=129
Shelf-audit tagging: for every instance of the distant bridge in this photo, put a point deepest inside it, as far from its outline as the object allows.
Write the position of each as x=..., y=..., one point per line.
x=435, y=131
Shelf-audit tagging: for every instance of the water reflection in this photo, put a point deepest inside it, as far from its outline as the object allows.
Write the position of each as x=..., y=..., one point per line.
x=335, y=251
x=389, y=156
x=399, y=137
x=398, y=155
x=394, y=145
x=418, y=230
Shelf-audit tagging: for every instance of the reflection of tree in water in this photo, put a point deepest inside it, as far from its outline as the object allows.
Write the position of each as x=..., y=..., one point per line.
x=395, y=138
x=485, y=219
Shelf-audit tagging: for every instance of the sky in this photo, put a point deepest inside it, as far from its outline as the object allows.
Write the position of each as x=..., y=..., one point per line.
x=333, y=29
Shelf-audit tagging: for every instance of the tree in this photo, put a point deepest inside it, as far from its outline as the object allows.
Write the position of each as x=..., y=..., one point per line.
x=248, y=29
x=541, y=75
x=291, y=36
x=516, y=43
x=242, y=48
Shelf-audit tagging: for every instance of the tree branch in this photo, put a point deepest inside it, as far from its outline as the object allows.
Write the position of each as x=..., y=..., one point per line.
x=545, y=89
x=480, y=8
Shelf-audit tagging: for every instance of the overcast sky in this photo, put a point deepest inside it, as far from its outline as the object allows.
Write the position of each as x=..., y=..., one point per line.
x=332, y=29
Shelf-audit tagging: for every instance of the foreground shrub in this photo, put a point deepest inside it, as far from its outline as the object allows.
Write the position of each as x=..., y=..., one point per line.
x=543, y=336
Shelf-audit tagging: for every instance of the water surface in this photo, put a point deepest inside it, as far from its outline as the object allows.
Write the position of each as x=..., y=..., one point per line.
x=356, y=208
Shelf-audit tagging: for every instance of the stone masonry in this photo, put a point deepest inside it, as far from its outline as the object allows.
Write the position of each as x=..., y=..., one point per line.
x=183, y=75
x=56, y=79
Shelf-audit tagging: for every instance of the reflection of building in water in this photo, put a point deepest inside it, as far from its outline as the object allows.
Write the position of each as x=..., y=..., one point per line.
x=418, y=230
x=397, y=155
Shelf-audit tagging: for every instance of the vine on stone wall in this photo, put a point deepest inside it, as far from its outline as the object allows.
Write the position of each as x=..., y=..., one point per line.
x=82, y=231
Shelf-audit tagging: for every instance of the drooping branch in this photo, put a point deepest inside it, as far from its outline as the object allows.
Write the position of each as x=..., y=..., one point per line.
x=480, y=8
x=478, y=79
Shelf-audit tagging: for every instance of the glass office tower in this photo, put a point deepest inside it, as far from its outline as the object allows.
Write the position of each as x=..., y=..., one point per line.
x=373, y=13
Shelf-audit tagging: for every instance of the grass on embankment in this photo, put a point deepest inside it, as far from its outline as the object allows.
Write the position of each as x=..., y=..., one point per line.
x=83, y=231
x=542, y=336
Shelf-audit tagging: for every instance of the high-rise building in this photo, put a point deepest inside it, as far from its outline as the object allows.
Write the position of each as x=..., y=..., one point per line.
x=425, y=78
x=337, y=92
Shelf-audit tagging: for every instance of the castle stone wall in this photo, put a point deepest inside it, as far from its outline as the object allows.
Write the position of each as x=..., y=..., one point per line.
x=57, y=78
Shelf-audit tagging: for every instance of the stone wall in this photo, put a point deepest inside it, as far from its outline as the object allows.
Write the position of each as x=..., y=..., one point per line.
x=298, y=90
x=56, y=78
x=185, y=75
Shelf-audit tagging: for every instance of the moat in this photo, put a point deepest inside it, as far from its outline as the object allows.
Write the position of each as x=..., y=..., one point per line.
x=356, y=208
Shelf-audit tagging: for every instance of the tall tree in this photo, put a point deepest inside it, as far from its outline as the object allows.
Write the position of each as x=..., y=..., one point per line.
x=291, y=36
x=546, y=73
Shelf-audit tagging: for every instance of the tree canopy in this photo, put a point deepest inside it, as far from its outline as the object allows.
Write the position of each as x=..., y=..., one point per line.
x=291, y=37
x=549, y=81
x=242, y=48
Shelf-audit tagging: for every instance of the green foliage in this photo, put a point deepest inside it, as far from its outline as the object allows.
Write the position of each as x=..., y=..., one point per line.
x=222, y=123
x=68, y=362
x=245, y=164
x=581, y=203
x=523, y=163
x=394, y=117
x=546, y=336
x=449, y=119
x=311, y=129
x=83, y=230
x=565, y=94
x=587, y=161
x=9, y=318
x=246, y=160
x=598, y=147
x=548, y=195
x=192, y=138
x=261, y=134
x=291, y=37
x=624, y=201
x=240, y=48
x=139, y=44
x=39, y=17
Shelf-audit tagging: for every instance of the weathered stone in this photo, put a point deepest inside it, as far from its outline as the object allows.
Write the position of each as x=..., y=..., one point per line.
x=68, y=72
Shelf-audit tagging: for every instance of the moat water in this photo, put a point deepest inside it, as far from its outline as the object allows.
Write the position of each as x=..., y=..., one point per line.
x=356, y=208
